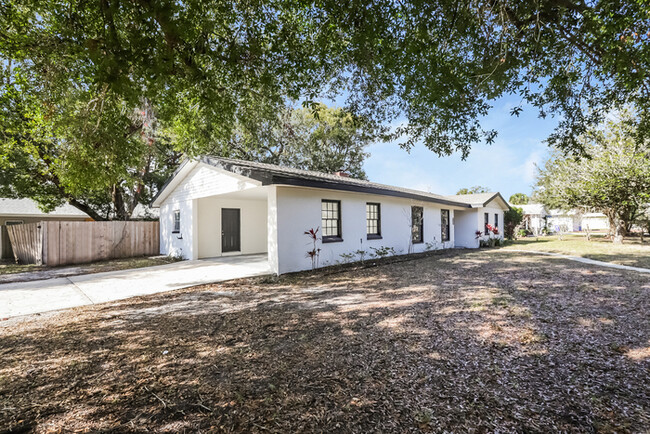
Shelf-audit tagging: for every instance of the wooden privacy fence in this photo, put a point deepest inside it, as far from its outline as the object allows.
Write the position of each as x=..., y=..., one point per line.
x=27, y=242
x=65, y=242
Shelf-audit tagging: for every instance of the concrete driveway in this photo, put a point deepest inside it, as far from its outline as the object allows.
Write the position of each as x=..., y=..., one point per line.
x=38, y=296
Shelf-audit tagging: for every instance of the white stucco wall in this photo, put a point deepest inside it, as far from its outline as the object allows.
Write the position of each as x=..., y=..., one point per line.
x=299, y=209
x=491, y=209
x=202, y=181
x=537, y=223
x=272, y=229
x=569, y=223
x=253, y=225
x=595, y=222
x=465, y=229
x=180, y=244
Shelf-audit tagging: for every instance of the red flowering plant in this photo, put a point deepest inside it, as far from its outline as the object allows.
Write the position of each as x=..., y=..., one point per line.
x=493, y=229
x=314, y=253
x=478, y=234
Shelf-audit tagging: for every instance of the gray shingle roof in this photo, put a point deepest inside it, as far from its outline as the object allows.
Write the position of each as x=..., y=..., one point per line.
x=27, y=207
x=478, y=199
x=273, y=174
x=473, y=199
x=532, y=208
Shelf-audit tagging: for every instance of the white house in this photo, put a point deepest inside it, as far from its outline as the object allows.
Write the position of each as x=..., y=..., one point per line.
x=536, y=217
x=564, y=221
x=216, y=207
x=595, y=221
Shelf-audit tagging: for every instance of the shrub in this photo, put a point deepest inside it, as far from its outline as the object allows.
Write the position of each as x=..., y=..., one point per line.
x=361, y=254
x=430, y=246
x=511, y=219
x=383, y=251
x=314, y=253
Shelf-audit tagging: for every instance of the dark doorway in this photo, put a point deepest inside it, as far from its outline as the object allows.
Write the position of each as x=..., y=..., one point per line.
x=230, y=230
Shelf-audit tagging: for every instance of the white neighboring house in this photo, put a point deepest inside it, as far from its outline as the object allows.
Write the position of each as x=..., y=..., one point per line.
x=17, y=211
x=534, y=217
x=595, y=221
x=564, y=221
x=215, y=207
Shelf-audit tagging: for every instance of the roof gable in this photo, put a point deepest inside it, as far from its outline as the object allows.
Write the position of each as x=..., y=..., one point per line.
x=195, y=179
x=481, y=200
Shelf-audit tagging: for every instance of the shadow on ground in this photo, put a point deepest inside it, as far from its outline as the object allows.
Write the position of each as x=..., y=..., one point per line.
x=478, y=341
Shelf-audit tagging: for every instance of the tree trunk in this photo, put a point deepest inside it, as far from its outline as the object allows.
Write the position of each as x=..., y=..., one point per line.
x=621, y=231
x=118, y=203
x=612, y=225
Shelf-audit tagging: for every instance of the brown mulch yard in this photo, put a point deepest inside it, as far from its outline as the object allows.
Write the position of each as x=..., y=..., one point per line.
x=479, y=341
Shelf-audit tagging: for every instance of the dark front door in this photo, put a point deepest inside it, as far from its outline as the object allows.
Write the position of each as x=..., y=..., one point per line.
x=230, y=230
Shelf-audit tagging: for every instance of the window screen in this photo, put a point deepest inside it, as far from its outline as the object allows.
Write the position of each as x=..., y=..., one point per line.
x=373, y=219
x=331, y=219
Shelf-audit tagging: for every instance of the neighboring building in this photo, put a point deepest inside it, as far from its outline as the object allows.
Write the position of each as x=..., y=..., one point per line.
x=145, y=212
x=216, y=206
x=595, y=221
x=536, y=217
x=558, y=220
x=17, y=211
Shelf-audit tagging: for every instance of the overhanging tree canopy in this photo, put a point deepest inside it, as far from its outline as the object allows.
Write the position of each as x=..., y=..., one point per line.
x=473, y=190
x=519, y=199
x=321, y=138
x=74, y=72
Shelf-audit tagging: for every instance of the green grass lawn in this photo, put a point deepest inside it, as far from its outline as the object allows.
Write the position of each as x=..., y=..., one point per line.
x=632, y=252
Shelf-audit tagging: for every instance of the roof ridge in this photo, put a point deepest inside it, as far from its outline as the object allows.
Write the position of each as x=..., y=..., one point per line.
x=331, y=176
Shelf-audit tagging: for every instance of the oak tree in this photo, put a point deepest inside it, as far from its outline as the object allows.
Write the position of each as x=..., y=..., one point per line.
x=614, y=180
x=72, y=73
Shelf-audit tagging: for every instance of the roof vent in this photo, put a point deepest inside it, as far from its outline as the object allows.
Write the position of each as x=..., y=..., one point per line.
x=342, y=173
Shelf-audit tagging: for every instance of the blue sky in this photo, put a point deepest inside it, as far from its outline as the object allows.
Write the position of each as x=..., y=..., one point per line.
x=507, y=166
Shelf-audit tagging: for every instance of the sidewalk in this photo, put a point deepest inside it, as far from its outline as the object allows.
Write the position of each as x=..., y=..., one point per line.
x=581, y=259
x=23, y=298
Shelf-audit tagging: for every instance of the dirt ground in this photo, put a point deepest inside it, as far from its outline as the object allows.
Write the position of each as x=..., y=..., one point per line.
x=473, y=341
